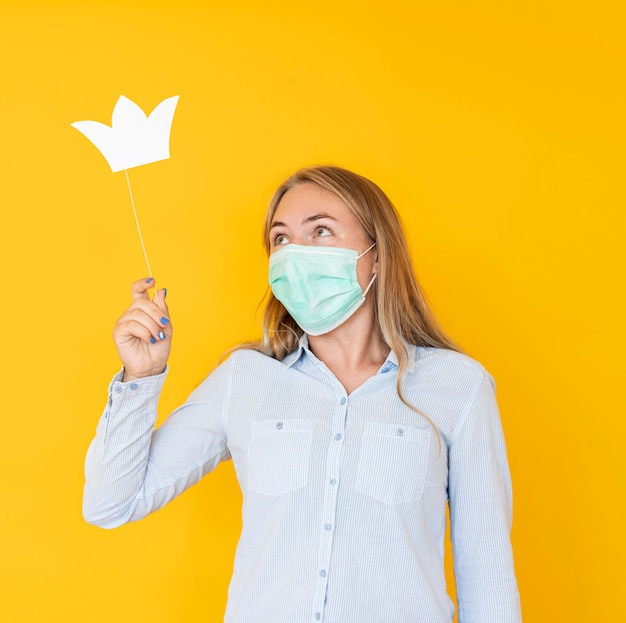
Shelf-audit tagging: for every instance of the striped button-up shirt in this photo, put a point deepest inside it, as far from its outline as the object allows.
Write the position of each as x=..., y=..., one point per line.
x=344, y=495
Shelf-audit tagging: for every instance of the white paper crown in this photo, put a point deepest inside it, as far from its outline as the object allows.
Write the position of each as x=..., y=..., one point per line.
x=133, y=139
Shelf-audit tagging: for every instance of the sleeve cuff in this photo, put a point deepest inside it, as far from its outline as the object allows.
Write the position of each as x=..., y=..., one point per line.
x=146, y=385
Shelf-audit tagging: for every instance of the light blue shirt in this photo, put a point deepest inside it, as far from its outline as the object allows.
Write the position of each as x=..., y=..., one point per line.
x=344, y=496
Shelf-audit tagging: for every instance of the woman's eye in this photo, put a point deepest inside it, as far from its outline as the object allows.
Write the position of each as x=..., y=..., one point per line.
x=280, y=239
x=322, y=231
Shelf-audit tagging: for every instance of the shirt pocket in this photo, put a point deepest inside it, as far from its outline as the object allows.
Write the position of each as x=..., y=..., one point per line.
x=279, y=454
x=393, y=462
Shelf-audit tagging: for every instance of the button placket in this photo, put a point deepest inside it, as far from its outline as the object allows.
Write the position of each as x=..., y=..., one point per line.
x=327, y=531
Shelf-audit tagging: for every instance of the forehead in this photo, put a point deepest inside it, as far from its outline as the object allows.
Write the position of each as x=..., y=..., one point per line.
x=309, y=199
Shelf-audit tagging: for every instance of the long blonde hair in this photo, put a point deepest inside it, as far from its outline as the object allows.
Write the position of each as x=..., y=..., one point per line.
x=401, y=313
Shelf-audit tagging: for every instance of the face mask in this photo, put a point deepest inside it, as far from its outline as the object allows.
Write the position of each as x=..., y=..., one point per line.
x=317, y=285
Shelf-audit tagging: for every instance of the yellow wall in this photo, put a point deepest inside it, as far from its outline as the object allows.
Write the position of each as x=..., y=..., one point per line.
x=497, y=128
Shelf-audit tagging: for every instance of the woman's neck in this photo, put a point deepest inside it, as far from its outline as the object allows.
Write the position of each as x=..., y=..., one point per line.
x=353, y=351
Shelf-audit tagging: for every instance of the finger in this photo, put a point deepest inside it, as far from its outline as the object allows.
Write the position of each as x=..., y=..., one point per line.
x=164, y=319
x=160, y=315
x=152, y=322
x=140, y=288
x=132, y=329
x=162, y=294
x=159, y=299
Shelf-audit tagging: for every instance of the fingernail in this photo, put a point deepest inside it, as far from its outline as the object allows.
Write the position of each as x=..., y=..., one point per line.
x=161, y=335
x=164, y=292
x=149, y=279
x=164, y=320
x=152, y=340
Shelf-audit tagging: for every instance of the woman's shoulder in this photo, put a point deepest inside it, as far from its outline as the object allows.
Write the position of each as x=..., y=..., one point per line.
x=250, y=359
x=449, y=382
x=239, y=364
x=449, y=364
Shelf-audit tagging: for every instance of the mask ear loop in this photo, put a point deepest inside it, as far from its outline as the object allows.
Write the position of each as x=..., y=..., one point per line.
x=358, y=257
x=369, y=285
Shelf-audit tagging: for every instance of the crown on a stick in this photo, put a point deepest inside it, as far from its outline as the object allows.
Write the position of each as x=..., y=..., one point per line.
x=133, y=139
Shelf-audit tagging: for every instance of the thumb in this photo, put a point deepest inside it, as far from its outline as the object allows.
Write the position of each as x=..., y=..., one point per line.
x=140, y=288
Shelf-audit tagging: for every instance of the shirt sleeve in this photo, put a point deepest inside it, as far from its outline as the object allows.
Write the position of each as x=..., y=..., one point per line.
x=133, y=469
x=481, y=513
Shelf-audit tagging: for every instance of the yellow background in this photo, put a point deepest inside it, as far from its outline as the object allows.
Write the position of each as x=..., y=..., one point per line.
x=497, y=127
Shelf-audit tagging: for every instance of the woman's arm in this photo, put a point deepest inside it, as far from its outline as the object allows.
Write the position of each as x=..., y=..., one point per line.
x=132, y=469
x=480, y=514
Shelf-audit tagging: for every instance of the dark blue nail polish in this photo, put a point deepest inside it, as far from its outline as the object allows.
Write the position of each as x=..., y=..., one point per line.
x=149, y=279
x=164, y=320
x=161, y=335
x=164, y=292
x=152, y=340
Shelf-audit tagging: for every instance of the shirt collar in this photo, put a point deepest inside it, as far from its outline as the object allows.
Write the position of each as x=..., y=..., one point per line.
x=294, y=356
x=391, y=361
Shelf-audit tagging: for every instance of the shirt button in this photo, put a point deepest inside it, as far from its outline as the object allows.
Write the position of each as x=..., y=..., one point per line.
x=318, y=616
x=279, y=426
x=134, y=386
x=343, y=401
x=118, y=389
x=323, y=573
x=332, y=482
x=327, y=527
x=400, y=432
x=338, y=437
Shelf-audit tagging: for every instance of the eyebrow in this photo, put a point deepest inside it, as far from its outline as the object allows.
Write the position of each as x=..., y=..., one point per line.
x=309, y=219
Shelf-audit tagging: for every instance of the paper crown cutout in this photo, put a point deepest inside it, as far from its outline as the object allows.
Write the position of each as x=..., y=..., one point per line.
x=133, y=139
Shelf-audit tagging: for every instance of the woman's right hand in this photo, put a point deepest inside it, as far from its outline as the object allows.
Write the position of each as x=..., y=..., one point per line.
x=143, y=334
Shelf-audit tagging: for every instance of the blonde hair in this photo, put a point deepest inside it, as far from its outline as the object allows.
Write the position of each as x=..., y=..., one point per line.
x=401, y=313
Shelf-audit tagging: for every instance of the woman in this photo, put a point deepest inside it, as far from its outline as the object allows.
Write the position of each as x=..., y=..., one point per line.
x=351, y=425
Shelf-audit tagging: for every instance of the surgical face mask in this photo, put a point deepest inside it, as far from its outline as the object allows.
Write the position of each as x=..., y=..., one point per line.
x=317, y=285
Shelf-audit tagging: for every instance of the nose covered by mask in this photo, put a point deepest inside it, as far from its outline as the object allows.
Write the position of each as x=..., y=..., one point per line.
x=317, y=285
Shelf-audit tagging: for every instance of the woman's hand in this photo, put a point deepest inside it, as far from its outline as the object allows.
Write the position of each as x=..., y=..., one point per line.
x=143, y=334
